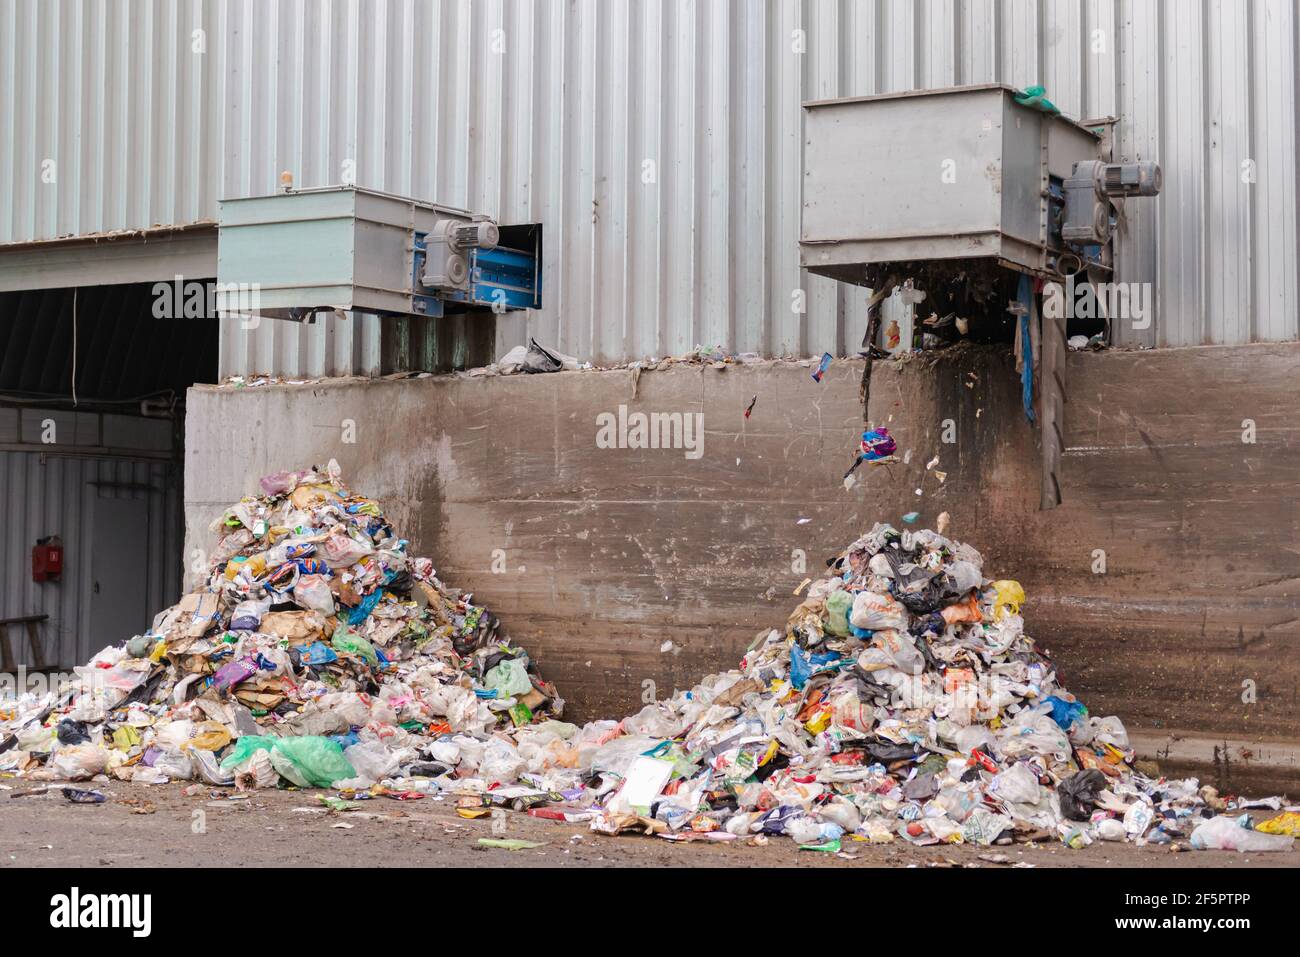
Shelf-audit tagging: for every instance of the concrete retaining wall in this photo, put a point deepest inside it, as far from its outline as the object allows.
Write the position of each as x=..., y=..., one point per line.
x=605, y=554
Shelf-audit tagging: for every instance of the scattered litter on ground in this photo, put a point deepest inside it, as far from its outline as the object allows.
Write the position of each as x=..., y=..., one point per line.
x=1236, y=834
x=510, y=844
x=79, y=796
x=903, y=701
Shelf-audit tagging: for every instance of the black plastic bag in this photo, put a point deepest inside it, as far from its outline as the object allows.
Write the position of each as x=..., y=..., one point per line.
x=1078, y=794
x=73, y=732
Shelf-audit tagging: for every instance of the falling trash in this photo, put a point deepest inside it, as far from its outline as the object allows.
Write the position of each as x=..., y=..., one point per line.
x=822, y=366
x=876, y=446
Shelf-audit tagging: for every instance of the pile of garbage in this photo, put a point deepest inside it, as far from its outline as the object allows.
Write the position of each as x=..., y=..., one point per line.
x=903, y=701
x=318, y=652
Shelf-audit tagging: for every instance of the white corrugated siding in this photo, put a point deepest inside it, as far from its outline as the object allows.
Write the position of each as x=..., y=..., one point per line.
x=49, y=494
x=551, y=110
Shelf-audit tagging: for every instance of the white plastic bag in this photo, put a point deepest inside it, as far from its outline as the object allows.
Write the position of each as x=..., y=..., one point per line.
x=877, y=612
x=1225, y=834
x=501, y=763
x=77, y=762
x=1016, y=785
x=372, y=761
x=313, y=593
x=256, y=772
x=175, y=764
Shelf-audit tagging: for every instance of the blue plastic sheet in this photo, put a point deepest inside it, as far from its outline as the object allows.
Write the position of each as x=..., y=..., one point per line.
x=1065, y=713
x=359, y=614
x=803, y=666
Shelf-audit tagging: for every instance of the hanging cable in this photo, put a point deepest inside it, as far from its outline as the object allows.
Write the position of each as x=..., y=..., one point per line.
x=74, y=347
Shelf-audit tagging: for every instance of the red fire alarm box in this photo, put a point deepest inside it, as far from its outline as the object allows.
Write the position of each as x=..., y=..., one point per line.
x=47, y=559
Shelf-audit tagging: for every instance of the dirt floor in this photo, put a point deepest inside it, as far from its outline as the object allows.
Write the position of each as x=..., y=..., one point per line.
x=140, y=826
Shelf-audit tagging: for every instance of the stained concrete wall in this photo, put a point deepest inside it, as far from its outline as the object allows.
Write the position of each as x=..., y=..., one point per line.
x=609, y=553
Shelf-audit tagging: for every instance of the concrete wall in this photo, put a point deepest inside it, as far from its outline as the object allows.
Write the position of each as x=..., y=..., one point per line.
x=610, y=553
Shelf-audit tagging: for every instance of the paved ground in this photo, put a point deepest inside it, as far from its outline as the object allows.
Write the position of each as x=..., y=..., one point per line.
x=290, y=827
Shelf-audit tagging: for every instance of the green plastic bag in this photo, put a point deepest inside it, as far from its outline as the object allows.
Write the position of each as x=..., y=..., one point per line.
x=313, y=761
x=245, y=748
x=508, y=678
x=838, y=605
x=352, y=643
x=1036, y=98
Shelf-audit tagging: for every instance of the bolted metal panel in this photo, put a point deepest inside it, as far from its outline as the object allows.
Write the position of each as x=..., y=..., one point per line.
x=661, y=143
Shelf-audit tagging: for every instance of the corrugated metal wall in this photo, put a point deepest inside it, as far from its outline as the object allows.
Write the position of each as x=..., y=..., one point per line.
x=55, y=494
x=660, y=142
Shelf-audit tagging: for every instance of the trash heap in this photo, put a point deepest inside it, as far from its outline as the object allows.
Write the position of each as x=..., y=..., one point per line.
x=318, y=652
x=903, y=701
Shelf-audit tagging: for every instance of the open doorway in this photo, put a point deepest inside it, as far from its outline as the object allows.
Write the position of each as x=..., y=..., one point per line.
x=92, y=426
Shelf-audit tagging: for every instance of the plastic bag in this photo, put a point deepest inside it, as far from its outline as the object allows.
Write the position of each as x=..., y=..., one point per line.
x=340, y=550
x=352, y=643
x=810, y=830
x=1287, y=824
x=963, y=576
x=803, y=665
x=313, y=593
x=1035, y=97
x=77, y=762
x=1109, y=731
x=540, y=359
x=277, y=483
x=839, y=604
x=654, y=719
x=175, y=764
x=248, y=615
x=963, y=611
x=320, y=760
x=501, y=763
x=256, y=771
x=508, y=678
x=1016, y=785
x=206, y=768
x=208, y=736
x=1078, y=794
x=875, y=612
x=372, y=761
x=315, y=761
x=1032, y=732
x=1008, y=596
x=902, y=651
x=1226, y=834
x=617, y=755
x=1065, y=713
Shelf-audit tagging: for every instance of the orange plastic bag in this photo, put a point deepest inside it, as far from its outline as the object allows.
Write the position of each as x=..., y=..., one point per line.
x=962, y=611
